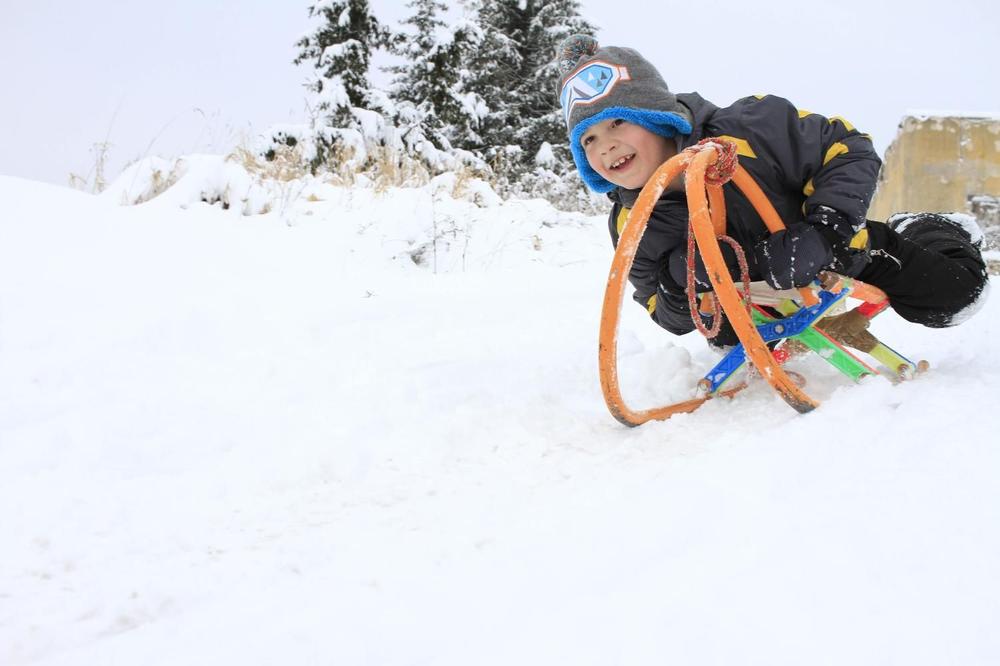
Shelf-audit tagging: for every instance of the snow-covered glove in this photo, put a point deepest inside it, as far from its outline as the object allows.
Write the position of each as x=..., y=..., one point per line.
x=793, y=256
x=837, y=230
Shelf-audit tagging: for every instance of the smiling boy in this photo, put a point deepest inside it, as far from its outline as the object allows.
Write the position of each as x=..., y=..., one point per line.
x=818, y=172
x=625, y=154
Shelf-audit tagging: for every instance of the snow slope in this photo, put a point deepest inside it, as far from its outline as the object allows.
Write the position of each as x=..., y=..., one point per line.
x=276, y=439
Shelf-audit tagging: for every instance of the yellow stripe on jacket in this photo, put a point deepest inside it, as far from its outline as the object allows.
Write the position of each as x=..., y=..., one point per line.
x=622, y=219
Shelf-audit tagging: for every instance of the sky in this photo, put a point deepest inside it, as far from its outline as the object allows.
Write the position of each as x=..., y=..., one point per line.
x=175, y=78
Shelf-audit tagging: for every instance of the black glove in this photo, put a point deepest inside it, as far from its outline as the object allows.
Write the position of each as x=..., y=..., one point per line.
x=838, y=231
x=726, y=338
x=792, y=257
x=674, y=273
x=677, y=267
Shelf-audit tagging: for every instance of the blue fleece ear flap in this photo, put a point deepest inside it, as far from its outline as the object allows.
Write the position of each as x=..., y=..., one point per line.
x=663, y=123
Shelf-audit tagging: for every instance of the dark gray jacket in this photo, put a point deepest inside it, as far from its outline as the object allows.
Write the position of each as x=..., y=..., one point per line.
x=801, y=161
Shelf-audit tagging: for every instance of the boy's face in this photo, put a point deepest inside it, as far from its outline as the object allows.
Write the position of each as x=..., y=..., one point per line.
x=625, y=154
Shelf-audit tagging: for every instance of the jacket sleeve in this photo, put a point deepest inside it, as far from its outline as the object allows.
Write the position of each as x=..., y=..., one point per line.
x=655, y=290
x=827, y=159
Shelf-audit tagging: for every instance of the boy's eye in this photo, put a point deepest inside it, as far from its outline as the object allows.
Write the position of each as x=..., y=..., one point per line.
x=616, y=122
x=586, y=140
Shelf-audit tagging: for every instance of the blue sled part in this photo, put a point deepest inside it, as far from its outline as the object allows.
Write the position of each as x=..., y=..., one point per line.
x=770, y=331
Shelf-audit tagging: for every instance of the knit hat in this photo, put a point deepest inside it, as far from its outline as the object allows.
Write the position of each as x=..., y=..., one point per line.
x=599, y=84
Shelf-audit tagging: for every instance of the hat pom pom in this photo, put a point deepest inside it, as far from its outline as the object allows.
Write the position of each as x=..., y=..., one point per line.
x=573, y=49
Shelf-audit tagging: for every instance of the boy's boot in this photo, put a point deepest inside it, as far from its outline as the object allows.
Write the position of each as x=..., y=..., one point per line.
x=928, y=228
x=930, y=267
x=850, y=328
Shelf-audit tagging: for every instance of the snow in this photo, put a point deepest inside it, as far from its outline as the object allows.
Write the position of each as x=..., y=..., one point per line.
x=334, y=94
x=966, y=222
x=233, y=439
x=972, y=308
x=969, y=224
x=187, y=181
x=545, y=157
x=925, y=114
x=334, y=51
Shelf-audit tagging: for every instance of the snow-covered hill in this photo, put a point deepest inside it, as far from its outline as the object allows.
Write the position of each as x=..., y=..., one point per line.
x=278, y=439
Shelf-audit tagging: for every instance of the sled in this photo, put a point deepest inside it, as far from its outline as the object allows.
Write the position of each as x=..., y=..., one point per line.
x=764, y=332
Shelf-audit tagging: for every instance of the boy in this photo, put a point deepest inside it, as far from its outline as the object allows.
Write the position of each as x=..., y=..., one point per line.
x=819, y=174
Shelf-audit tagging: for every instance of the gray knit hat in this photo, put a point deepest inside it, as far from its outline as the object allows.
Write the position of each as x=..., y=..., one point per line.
x=602, y=83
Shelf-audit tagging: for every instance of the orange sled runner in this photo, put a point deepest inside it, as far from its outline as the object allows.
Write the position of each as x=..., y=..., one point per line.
x=708, y=166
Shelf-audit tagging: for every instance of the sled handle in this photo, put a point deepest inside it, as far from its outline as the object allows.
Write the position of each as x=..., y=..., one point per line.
x=621, y=264
x=702, y=219
x=754, y=346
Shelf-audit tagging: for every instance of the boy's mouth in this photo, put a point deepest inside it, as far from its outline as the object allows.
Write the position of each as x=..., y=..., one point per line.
x=622, y=161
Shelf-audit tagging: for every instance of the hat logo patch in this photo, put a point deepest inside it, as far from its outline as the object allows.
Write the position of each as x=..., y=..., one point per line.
x=590, y=84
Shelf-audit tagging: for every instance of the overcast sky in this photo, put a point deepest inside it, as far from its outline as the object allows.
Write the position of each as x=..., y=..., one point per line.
x=177, y=77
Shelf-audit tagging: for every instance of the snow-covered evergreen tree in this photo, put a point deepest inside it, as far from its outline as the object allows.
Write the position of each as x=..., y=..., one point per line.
x=421, y=78
x=516, y=73
x=463, y=117
x=548, y=23
x=339, y=48
x=432, y=77
x=495, y=67
x=476, y=91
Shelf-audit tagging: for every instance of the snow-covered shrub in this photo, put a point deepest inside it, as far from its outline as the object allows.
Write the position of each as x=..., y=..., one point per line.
x=465, y=185
x=506, y=167
x=395, y=168
x=145, y=180
x=193, y=179
x=546, y=156
x=282, y=163
x=563, y=190
x=390, y=144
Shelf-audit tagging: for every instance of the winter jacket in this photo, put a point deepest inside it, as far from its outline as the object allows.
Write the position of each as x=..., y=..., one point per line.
x=805, y=163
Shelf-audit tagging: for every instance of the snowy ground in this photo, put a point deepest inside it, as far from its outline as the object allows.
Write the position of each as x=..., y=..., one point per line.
x=275, y=439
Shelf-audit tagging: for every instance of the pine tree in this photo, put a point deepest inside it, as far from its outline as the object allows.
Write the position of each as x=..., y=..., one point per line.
x=463, y=115
x=420, y=80
x=431, y=77
x=340, y=50
x=517, y=74
x=496, y=65
x=549, y=23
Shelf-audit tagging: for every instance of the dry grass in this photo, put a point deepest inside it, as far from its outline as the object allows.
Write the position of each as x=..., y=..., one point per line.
x=287, y=165
x=161, y=182
x=340, y=166
x=391, y=169
x=94, y=182
x=462, y=178
x=285, y=172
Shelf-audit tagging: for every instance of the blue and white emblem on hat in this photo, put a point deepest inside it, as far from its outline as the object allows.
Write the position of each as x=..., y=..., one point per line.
x=590, y=84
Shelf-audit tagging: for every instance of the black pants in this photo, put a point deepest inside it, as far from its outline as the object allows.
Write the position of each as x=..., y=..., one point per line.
x=930, y=270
